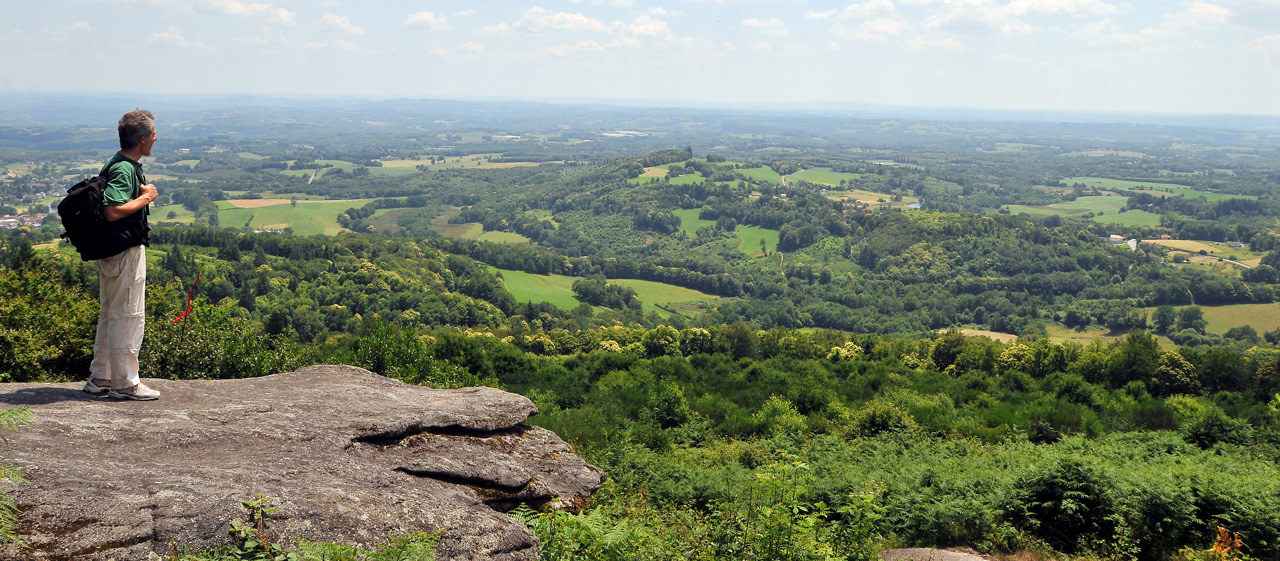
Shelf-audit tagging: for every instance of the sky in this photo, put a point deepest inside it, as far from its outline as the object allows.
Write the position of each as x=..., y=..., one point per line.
x=1202, y=57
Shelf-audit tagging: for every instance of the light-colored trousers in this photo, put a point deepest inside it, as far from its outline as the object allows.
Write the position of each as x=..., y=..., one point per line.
x=122, y=283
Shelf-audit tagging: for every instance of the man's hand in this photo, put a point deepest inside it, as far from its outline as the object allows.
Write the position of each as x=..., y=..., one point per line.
x=149, y=193
x=114, y=213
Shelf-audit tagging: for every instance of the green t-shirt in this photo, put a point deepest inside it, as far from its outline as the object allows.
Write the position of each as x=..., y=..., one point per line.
x=124, y=181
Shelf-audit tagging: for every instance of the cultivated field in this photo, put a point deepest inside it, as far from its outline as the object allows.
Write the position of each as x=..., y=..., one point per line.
x=257, y=203
x=870, y=197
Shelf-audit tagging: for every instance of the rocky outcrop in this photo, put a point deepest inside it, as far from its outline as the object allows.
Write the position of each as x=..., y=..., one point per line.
x=346, y=455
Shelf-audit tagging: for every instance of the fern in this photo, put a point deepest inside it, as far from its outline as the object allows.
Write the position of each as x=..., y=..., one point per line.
x=11, y=419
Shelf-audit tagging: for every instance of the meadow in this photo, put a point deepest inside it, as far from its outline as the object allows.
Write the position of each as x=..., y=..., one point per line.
x=689, y=221
x=1106, y=209
x=763, y=173
x=1152, y=187
x=1263, y=317
x=751, y=237
x=1060, y=334
x=824, y=176
x=308, y=217
x=1210, y=248
x=558, y=290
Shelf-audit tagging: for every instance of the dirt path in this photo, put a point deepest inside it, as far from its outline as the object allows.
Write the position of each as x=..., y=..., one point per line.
x=930, y=554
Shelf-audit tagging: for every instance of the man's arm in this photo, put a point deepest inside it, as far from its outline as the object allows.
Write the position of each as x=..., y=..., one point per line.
x=114, y=213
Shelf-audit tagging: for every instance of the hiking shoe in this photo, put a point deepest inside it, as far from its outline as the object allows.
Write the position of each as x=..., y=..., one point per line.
x=138, y=392
x=97, y=386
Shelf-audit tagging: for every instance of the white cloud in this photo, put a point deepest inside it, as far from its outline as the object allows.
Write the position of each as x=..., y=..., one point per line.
x=439, y=51
x=253, y=10
x=663, y=12
x=867, y=9
x=429, y=20
x=771, y=26
x=644, y=26
x=464, y=13
x=1266, y=45
x=878, y=29
x=820, y=15
x=1175, y=26
x=80, y=26
x=173, y=35
x=1200, y=13
x=581, y=47
x=332, y=22
x=473, y=47
x=946, y=44
x=538, y=19
x=1058, y=7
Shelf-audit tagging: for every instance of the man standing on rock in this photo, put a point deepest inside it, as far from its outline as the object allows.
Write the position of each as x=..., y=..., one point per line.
x=122, y=278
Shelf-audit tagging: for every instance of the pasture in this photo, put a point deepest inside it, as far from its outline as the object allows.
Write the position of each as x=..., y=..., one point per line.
x=309, y=217
x=189, y=164
x=250, y=156
x=824, y=176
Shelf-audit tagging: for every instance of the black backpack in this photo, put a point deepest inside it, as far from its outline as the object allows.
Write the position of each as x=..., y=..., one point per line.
x=87, y=227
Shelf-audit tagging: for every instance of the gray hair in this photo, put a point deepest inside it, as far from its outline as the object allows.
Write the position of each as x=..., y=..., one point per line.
x=134, y=127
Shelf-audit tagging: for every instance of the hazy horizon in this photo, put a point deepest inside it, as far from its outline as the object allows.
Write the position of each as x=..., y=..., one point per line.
x=1189, y=58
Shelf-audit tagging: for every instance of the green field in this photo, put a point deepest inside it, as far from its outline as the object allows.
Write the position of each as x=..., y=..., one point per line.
x=1263, y=317
x=763, y=173
x=309, y=217
x=527, y=287
x=689, y=221
x=503, y=237
x=1105, y=208
x=652, y=294
x=824, y=176
x=1152, y=187
x=1130, y=218
x=558, y=290
x=188, y=163
x=181, y=214
x=688, y=179
x=250, y=156
x=1059, y=334
x=751, y=236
